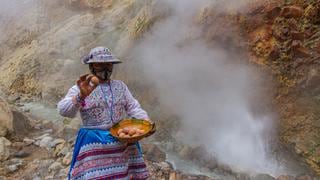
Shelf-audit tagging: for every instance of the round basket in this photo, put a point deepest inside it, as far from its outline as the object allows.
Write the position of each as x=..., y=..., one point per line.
x=147, y=126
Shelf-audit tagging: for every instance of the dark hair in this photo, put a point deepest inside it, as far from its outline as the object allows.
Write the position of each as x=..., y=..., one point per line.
x=91, y=68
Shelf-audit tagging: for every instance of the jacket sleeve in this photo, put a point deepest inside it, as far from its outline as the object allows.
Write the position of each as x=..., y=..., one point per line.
x=133, y=107
x=68, y=106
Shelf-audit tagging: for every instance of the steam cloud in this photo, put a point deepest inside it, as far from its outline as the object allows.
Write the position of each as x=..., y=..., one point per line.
x=210, y=93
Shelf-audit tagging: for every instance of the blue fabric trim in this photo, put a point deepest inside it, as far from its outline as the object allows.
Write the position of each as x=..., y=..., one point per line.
x=87, y=136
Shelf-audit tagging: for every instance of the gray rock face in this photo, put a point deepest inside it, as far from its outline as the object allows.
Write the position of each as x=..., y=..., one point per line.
x=67, y=131
x=21, y=154
x=42, y=136
x=6, y=141
x=312, y=81
x=3, y=131
x=13, y=165
x=28, y=141
x=153, y=153
x=4, y=151
x=305, y=177
x=21, y=124
x=55, y=142
x=6, y=118
x=263, y=177
x=45, y=142
x=67, y=159
x=285, y=177
x=55, y=166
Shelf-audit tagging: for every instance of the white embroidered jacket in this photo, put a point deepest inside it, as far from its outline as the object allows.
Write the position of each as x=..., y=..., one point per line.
x=106, y=105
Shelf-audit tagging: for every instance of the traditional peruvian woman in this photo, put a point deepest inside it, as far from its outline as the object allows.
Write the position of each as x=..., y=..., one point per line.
x=102, y=103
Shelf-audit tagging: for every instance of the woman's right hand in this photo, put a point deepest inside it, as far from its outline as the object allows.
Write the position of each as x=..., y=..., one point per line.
x=85, y=86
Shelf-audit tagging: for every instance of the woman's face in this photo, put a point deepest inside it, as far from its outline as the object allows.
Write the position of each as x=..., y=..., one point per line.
x=102, y=70
x=102, y=66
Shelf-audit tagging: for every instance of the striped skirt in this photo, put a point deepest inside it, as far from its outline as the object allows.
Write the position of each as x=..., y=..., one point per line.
x=98, y=155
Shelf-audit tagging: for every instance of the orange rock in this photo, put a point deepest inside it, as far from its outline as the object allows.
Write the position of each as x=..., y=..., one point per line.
x=273, y=13
x=297, y=35
x=311, y=12
x=292, y=12
x=274, y=54
x=318, y=47
x=301, y=52
x=296, y=44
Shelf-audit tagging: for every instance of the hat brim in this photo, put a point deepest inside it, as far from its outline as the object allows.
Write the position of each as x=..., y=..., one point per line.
x=114, y=61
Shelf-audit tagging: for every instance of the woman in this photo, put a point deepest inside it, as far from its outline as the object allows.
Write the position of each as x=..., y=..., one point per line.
x=97, y=154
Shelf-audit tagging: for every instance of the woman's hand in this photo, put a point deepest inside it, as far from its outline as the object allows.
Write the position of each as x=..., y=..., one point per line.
x=87, y=83
x=153, y=130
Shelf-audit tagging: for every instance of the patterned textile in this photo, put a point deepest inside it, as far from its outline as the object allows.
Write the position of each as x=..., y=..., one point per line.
x=105, y=106
x=98, y=155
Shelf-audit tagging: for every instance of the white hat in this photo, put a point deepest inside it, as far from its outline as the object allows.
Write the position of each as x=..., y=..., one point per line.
x=99, y=55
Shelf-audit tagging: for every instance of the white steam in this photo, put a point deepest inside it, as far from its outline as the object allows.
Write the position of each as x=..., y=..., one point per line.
x=208, y=90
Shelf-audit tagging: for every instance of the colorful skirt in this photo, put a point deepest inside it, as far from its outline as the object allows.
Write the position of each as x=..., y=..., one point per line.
x=98, y=155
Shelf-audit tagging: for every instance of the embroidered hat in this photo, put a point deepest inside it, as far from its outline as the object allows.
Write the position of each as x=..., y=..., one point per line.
x=99, y=55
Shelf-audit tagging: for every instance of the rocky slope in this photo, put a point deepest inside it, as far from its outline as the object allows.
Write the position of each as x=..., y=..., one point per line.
x=287, y=42
x=283, y=38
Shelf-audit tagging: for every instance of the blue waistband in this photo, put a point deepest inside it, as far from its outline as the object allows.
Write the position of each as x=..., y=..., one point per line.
x=95, y=135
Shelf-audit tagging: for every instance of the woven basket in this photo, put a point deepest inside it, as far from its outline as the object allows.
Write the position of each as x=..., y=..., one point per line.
x=147, y=126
